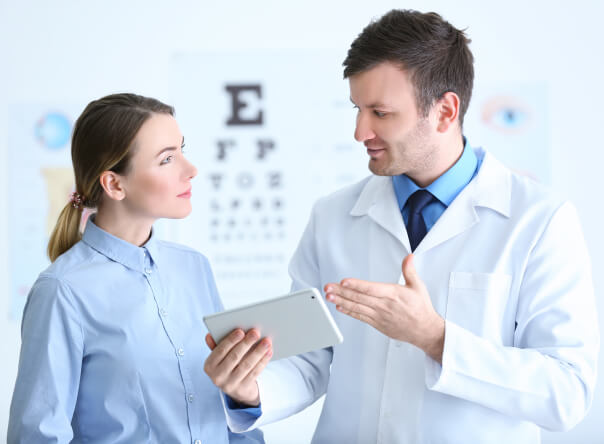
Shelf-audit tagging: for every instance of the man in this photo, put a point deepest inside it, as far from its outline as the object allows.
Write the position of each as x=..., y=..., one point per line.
x=489, y=332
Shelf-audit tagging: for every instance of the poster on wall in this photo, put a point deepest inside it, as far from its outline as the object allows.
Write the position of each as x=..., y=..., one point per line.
x=270, y=132
x=40, y=181
x=512, y=122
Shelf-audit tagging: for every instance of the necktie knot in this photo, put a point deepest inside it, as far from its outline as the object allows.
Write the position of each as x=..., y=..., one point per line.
x=418, y=201
x=416, y=227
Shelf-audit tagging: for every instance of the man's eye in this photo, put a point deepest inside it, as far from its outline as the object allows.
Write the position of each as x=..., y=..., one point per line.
x=182, y=149
x=379, y=113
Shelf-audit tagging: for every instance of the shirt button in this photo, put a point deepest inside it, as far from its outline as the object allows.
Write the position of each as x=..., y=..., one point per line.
x=191, y=397
x=181, y=352
x=198, y=441
x=163, y=312
x=148, y=270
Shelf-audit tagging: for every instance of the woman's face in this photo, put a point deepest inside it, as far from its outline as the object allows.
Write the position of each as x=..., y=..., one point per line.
x=158, y=182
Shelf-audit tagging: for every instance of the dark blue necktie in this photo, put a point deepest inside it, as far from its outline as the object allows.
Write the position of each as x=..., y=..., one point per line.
x=416, y=227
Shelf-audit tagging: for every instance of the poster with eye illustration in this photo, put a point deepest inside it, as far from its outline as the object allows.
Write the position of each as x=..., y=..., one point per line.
x=512, y=122
x=272, y=131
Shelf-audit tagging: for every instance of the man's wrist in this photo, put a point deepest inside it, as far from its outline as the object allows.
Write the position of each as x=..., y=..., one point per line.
x=435, y=343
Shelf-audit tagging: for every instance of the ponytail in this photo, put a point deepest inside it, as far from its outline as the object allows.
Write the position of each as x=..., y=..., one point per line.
x=101, y=141
x=66, y=232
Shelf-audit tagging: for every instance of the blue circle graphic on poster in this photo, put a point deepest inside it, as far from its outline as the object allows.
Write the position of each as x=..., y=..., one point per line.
x=53, y=130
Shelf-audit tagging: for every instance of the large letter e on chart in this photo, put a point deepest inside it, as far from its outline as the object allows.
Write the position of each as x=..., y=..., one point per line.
x=237, y=105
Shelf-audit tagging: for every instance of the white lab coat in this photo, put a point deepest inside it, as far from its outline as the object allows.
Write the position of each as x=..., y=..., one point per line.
x=507, y=267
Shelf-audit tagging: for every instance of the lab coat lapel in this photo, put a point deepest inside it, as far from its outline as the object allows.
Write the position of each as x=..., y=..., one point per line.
x=378, y=201
x=491, y=188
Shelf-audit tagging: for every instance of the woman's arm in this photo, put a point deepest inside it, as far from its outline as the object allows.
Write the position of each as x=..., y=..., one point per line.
x=49, y=366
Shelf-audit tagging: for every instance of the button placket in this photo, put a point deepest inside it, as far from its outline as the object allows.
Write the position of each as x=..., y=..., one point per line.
x=153, y=277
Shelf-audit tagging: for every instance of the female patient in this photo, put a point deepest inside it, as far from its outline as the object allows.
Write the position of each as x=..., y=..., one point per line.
x=112, y=339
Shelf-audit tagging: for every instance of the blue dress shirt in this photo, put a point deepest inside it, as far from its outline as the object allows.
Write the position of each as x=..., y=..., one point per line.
x=445, y=188
x=113, y=348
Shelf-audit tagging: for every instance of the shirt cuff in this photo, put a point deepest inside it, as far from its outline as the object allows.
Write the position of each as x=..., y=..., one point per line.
x=236, y=409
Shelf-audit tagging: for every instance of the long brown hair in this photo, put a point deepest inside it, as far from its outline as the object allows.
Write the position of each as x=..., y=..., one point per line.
x=102, y=141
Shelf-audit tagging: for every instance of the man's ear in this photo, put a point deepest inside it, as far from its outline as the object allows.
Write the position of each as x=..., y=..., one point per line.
x=112, y=184
x=447, y=111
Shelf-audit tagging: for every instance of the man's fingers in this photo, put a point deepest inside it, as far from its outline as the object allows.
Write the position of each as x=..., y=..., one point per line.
x=336, y=293
x=412, y=279
x=347, y=306
x=377, y=289
x=358, y=315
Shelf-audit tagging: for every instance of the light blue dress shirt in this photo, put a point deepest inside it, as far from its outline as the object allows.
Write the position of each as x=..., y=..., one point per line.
x=113, y=348
x=445, y=188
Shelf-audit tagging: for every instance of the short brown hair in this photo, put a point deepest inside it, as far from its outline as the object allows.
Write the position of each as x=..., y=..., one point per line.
x=434, y=53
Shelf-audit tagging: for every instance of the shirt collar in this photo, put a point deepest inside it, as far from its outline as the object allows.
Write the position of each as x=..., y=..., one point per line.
x=118, y=249
x=447, y=186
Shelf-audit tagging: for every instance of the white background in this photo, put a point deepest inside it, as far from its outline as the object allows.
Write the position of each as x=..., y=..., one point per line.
x=69, y=52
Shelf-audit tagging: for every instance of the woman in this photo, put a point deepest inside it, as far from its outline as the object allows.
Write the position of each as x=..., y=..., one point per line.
x=112, y=339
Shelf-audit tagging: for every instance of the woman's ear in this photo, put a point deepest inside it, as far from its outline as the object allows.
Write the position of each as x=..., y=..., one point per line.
x=447, y=113
x=112, y=184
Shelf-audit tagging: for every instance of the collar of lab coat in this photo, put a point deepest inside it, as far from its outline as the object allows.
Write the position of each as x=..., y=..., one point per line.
x=491, y=188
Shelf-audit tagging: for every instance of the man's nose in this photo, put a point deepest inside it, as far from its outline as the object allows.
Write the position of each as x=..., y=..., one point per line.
x=363, y=129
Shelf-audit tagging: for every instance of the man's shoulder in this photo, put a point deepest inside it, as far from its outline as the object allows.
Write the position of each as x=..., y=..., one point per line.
x=346, y=196
x=526, y=192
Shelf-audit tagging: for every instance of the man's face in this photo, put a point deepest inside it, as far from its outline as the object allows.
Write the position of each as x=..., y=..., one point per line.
x=398, y=139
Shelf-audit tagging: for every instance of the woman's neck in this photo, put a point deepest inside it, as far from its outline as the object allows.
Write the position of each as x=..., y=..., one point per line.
x=134, y=230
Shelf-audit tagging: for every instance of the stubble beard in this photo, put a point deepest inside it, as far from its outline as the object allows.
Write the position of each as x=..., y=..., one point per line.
x=415, y=154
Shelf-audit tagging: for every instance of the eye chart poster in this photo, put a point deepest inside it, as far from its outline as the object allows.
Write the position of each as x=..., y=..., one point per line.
x=272, y=131
x=269, y=132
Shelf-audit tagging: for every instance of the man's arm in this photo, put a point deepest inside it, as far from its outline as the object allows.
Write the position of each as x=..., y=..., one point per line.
x=547, y=377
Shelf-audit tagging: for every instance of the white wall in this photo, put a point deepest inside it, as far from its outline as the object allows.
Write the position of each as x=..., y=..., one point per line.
x=70, y=51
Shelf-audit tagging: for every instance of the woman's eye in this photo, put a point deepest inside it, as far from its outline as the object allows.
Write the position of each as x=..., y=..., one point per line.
x=182, y=149
x=167, y=160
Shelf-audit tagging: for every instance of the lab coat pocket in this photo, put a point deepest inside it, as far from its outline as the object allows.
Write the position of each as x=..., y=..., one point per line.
x=477, y=302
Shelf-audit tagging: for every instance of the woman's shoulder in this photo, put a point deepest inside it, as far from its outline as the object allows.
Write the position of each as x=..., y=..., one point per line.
x=80, y=257
x=174, y=248
x=179, y=252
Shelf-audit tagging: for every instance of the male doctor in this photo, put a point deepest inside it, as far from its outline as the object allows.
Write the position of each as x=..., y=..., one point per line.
x=487, y=332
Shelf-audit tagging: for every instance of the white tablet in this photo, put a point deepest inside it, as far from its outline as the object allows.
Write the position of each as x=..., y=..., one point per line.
x=297, y=323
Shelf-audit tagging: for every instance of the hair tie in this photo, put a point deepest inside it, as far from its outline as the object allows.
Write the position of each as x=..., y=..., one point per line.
x=77, y=200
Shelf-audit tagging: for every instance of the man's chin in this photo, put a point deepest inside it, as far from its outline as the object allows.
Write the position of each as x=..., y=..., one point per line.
x=379, y=169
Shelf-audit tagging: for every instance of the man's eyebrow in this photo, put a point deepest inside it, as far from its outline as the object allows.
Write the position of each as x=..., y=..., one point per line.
x=373, y=105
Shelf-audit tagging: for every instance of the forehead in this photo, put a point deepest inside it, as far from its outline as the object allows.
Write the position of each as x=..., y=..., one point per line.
x=387, y=84
x=159, y=130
